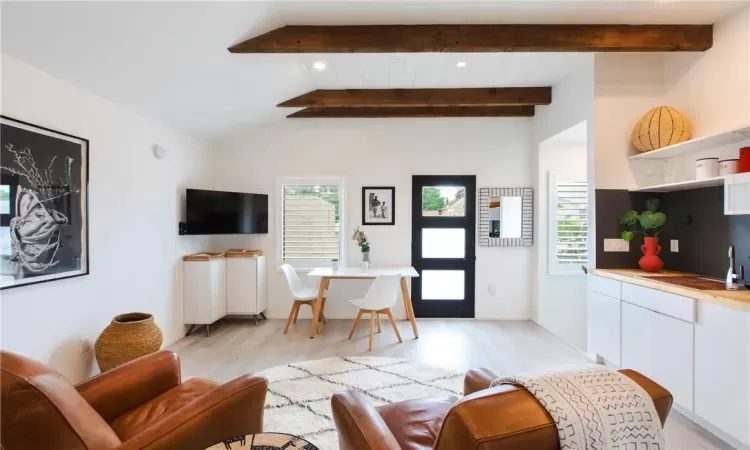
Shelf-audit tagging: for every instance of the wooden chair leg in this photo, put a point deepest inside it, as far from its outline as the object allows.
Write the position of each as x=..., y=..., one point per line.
x=322, y=311
x=356, y=323
x=393, y=324
x=291, y=316
x=377, y=315
x=297, y=304
x=372, y=327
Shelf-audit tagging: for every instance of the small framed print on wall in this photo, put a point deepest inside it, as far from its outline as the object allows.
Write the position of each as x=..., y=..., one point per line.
x=378, y=205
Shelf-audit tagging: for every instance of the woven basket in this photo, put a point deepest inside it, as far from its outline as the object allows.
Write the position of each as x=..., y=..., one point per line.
x=660, y=127
x=128, y=337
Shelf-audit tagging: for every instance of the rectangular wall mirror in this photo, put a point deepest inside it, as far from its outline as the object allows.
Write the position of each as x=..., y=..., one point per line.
x=505, y=217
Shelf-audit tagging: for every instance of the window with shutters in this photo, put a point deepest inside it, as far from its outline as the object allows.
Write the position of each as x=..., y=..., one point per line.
x=568, y=212
x=311, y=221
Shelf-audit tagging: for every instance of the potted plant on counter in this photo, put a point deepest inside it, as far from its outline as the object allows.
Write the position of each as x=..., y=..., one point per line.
x=649, y=223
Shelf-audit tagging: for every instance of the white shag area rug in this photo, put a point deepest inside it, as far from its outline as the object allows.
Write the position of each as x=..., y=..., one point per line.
x=299, y=394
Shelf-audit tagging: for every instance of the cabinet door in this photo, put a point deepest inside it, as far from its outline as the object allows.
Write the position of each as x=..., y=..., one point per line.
x=242, y=286
x=661, y=348
x=722, y=369
x=218, y=289
x=737, y=194
x=604, y=327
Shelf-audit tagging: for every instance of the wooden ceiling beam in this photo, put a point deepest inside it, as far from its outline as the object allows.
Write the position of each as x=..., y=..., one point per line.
x=402, y=112
x=354, y=98
x=479, y=38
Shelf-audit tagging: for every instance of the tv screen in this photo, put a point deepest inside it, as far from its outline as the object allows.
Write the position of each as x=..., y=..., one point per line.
x=217, y=212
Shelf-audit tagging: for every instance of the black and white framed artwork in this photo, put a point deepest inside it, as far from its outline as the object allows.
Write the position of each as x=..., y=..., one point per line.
x=43, y=204
x=378, y=206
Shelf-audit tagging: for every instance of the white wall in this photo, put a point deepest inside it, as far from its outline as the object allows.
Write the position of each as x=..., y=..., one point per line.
x=386, y=152
x=627, y=86
x=563, y=141
x=712, y=88
x=562, y=306
x=134, y=206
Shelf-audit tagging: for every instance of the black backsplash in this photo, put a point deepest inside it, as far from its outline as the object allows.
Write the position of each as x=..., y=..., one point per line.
x=703, y=243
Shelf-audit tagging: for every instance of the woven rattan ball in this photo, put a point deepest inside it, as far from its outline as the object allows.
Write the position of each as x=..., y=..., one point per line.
x=660, y=127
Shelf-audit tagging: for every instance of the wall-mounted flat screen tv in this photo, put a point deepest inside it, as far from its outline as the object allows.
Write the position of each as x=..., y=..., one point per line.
x=218, y=212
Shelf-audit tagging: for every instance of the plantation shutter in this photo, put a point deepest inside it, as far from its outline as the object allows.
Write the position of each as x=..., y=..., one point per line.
x=311, y=226
x=569, y=211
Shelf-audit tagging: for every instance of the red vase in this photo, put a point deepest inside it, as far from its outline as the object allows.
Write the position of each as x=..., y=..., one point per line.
x=650, y=262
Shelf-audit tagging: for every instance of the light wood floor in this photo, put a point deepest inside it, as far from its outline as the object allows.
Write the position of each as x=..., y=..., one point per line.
x=236, y=347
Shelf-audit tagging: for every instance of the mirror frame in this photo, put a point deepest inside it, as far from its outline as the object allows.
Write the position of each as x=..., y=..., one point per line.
x=527, y=217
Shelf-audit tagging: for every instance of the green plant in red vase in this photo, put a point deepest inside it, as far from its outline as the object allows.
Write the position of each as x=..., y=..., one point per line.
x=649, y=223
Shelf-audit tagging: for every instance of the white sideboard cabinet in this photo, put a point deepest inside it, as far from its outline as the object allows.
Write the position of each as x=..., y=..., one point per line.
x=216, y=285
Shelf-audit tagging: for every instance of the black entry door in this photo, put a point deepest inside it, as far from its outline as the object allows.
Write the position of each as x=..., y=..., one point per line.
x=442, y=245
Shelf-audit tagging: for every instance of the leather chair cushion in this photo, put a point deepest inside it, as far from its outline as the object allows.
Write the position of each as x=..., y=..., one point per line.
x=416, y=423
x=147, y=414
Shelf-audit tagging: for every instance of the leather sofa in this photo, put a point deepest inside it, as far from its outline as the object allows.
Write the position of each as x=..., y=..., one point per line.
x=501, y=418
x=143, y=404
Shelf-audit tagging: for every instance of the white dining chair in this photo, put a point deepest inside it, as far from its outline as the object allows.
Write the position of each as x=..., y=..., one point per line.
x=302, y=294
x=379, y=298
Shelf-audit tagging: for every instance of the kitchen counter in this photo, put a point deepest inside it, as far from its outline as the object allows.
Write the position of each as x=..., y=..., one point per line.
x=733, y=299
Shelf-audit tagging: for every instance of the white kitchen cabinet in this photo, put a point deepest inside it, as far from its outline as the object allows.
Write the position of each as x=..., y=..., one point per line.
x=204, y=291
x=660, y=347
x=604, y=327
x=246, y=285
x=737, y=194
x=722, y=369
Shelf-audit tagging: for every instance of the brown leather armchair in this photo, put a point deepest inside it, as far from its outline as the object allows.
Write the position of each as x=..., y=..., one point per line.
x=140, y=405
x=501, y=418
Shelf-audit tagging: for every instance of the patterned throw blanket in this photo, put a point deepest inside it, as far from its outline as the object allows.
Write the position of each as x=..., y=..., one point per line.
x=595, y=408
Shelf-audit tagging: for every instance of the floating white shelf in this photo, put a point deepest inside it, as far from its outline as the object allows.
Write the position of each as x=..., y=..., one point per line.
x=698, y=144
x=682, y=185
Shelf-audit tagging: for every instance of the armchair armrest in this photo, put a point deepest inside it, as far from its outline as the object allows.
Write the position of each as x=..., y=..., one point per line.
x=232, y=409
x=477, y=380
x=359, y=425
x=132, y=384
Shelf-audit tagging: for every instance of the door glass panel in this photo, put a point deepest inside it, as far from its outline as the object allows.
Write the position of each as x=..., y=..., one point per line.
x=443, y=242
x=443, y=284
x=444, y=201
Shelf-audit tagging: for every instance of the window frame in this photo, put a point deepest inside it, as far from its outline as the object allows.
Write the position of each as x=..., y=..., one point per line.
x=554, y=267
x=306, y=265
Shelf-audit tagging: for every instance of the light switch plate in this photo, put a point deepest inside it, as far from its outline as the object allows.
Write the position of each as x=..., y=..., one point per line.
x=616, y=245
x=674, y=246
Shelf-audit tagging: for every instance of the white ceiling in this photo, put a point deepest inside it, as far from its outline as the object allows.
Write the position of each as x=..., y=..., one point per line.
x=168, y=60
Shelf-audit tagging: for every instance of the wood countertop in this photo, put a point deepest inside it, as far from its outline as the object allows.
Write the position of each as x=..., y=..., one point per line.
x=733, y=299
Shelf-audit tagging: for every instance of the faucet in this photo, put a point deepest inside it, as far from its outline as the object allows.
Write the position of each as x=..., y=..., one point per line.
x=731, y=273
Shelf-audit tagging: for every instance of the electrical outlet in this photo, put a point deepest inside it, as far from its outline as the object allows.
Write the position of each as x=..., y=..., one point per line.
x=616, y=245
x=674, y=246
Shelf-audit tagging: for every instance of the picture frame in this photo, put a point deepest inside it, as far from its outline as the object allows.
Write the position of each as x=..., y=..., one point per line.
x=378, y=205
x=44, y=214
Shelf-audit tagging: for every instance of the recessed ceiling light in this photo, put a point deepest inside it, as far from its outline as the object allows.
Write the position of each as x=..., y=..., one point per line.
x=461, y=64
x=319, y=65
